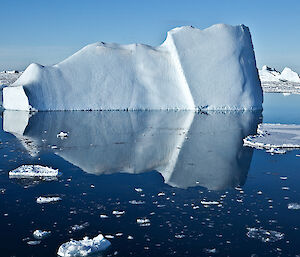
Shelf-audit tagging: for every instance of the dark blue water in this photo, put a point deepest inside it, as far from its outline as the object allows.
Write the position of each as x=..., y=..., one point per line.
x=178, y=159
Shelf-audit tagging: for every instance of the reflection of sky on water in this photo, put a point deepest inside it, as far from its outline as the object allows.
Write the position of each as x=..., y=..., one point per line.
x=188, y=149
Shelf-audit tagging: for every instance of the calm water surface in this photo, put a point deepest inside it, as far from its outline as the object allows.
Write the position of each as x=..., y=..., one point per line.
x=168, y=162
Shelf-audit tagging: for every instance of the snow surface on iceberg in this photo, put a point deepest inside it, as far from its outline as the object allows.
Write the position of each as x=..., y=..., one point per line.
x=176, y=144
x=83, y=247
x=213, y=68
x=272, y=136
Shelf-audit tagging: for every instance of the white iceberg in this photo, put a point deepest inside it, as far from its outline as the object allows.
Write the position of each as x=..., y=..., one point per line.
x=31, y=171
x=83, y=247
x=287, y=82
x=47, y=199
x=289, y=75
x=214, y=68
x=274, y=136
x=39, y=234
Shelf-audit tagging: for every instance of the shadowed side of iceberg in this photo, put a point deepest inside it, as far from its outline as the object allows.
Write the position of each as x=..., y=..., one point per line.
x=193, y=69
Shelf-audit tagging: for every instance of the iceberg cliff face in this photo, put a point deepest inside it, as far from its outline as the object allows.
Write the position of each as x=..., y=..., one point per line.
x=193, y=69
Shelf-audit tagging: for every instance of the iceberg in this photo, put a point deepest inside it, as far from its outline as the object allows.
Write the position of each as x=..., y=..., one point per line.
x=31, y=171
x=288, y=81
x=192, y=69
x=83, y=247
x=274, y=136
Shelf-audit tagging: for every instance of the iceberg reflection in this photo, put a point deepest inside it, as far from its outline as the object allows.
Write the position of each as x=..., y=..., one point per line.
x=188, y=149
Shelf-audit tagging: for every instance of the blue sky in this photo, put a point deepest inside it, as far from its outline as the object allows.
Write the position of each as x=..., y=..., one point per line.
x=49, y=31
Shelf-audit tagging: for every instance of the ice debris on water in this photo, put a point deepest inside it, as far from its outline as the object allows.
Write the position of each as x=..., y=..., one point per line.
x=209, y=202
x=47, y=199
x=294, y=206
x=62, y=135
x=28, y=171
x=138, y=190
x=37, y=242
x=118, y=213
x=39, y=234
x=83, y=247
x=135, y=202
x=213, y=250
x=79, y=227
x=264, y=235
x=275, y=138
x=143, y=222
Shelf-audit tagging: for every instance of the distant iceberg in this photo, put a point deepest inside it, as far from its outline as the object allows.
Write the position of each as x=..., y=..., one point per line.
x=192, y=69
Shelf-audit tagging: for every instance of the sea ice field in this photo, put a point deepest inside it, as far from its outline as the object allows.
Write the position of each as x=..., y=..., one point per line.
x=153, y=183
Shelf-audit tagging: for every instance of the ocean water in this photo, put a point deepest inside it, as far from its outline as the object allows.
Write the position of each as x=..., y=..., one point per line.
x=202, y=192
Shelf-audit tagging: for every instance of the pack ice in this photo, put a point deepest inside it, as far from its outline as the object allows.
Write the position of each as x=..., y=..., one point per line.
x=192, y=69
x=273, y=136
x=83, y=247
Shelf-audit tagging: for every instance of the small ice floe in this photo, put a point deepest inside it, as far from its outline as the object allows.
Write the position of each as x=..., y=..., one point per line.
x=130, y=237
x=47, y=199
x=33, y=171
x=79, y=227
x=213, y=250
x=83, y=247
x=273, y=151
x=118, y=213
x=135, y=202
x=143, y=222
x=264, y=235
x=179, y=236
x=39, y=234
x=138, y=190
x=103, y=216
x=34, y=242
x=62, y=135
x=283, y=178
x=109, y=236
x=275, y=138
x=161, y=194
x=210, y=202
x=294, y=206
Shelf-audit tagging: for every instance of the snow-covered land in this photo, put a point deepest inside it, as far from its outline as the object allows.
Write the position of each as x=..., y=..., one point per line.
x=214, y=68
x=174, y=143
x=273, y=136
x=83, y=247
x=29, y=171
x=272, y=80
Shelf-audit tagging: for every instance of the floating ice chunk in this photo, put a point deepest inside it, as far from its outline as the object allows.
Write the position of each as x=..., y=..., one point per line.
x=289, y=75
x=213, y=250
x=118, y=212
x=62, y=135
x=264, y=235
x=130, y=237
x=161, y=194
x=37, y=242
x=47, y=199
x=79, y=227
x=135, y=202
x=29, y=171
x=103, y=216
x=210, y=202
x=276, y=151
x=274, y=136
x=142, y=221
x=83, y=247
x=138, y=190
x=294, y=206
x=39, y=234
